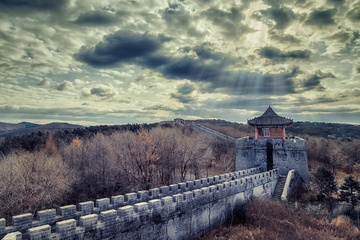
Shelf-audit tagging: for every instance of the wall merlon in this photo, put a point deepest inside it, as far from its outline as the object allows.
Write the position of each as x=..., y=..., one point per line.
x=86, y=208
x=154, y=193
x=175, y=189
x=164, y=191
x=41, y=232
x=143, y=196
x=2, y=225
x=47, y=216
x=67, y=212
x=66, y=229
x=103, y=204
x=131, y=198
x=89, y=222
x=22, y=222
x=126, y=213
x=117, y=201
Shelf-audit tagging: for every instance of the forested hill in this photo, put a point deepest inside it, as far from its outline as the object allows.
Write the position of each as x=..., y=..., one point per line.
x=326, y=130
x=345, y=132
x=4, y=127
x=8, y=129
x=33, y=139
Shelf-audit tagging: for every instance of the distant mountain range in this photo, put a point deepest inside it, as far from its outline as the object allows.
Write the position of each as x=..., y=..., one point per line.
x=7, y=129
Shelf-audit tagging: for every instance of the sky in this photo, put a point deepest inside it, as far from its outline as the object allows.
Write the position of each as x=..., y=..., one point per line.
x=94, y=62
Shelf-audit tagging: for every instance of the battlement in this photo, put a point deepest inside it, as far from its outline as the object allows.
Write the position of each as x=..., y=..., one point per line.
x=143, y=210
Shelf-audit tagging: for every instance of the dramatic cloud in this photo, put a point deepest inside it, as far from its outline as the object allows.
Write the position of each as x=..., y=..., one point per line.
x=96, y=18
x=276, y=55
x=183, y=93
x=284, y=38
x=314, y=81
x=358, y=69
x=123, y=47
x=111, y=62
x=321, y=18
x=280, y=18
x=23, y=6
x=229, y=21
x=341, y=36
x=354, y=13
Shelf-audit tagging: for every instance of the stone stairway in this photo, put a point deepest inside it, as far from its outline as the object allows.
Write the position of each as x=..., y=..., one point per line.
x=279, y=187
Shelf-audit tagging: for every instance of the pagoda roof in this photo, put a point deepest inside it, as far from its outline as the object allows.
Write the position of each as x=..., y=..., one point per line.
x=270, y=118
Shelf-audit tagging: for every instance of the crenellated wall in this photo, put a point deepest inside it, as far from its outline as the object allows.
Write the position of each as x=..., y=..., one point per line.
x=177, y=211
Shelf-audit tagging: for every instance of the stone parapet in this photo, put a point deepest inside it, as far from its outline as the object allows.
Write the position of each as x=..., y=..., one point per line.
x=149, y=218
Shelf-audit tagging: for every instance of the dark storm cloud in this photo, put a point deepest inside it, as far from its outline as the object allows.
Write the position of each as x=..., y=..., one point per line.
x=354, y=14
x=276, y=55
x=358, y=69
x=336, y=2
x=26, y=6
x=340, y=36
x=122, y=47
x=96, y=18
x=102, y=91
x=183, y=93
x=176, y=18
x=283, y=38
x=158, y=107
x=229, y=21
x=282, y=16
x=205, y=51
x=321, y=18
x=314, y=81
x=142, y=50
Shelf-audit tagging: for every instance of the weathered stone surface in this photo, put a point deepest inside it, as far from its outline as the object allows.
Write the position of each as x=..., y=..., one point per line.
x=177, y=213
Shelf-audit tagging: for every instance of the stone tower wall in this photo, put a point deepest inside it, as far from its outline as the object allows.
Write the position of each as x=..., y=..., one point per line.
x=287, y=154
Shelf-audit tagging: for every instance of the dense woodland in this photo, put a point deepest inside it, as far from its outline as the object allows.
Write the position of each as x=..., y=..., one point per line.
x=68, y=168
x=50, y=169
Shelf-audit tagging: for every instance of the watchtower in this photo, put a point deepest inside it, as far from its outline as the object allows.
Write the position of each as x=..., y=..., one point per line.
x=270, y=125
x=270, y=148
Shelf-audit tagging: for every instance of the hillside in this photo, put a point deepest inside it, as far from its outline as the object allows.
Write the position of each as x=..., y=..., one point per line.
x=4, y=127
x=343, y=132
x=8, y=129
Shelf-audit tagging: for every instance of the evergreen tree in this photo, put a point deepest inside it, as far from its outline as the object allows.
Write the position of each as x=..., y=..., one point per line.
x=349, y=190
x=325, y=181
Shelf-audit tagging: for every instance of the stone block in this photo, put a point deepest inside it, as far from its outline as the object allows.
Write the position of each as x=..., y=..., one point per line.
x=143, y=196
x=126, y=213
x=154, y=193
x=131, y=198
x=22, y=222
x=89, y=222
x=67, y=212
x=117, y=201
x=103, y=204
x=2, y=225
x=164, y=191
x=47, y=216
x=66, y=229
x=40, y=233
x=86, y=208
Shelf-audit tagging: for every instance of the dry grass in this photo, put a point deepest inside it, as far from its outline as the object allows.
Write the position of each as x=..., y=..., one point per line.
x=267, y=219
